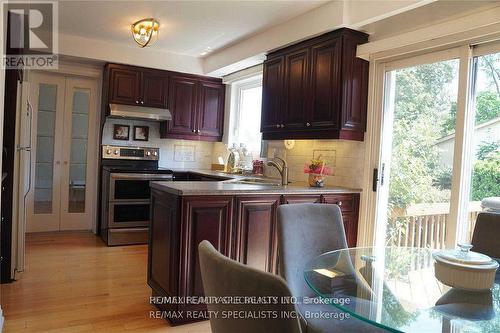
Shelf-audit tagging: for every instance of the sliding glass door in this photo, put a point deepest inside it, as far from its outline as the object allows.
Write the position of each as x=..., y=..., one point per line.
x=420, y=112
x=439, y=147
x=484, y=177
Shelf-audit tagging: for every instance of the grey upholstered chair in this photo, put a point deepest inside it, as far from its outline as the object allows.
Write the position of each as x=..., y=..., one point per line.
x=485, y=238
x=222, y=276
x=304, y=232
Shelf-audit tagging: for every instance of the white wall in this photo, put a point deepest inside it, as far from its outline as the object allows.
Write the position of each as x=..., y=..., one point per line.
x=482, y=133
x=94, y=49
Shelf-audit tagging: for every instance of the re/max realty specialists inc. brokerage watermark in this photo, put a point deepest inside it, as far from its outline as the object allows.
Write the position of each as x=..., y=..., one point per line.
x=31, y=32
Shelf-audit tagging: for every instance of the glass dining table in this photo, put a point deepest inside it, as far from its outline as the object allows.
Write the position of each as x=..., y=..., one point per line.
x=395, y=288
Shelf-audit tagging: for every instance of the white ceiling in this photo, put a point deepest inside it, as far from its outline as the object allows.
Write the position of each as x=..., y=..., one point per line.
x=186, y=27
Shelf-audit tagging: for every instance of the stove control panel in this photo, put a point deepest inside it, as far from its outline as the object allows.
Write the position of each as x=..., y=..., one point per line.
x=130, y=153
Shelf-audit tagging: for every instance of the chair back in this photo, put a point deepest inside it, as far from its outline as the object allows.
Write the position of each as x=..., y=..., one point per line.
x=223, y=277
x=486, y=236
x=304, y=232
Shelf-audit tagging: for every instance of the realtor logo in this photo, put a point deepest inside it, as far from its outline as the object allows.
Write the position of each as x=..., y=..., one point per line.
x=31, y=35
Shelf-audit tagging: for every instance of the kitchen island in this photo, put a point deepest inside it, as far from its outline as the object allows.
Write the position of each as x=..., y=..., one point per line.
x=238, y=218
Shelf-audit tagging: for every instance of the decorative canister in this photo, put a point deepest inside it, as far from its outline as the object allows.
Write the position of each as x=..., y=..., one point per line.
x=316, y=180
x=317, y=171
x=464, y=269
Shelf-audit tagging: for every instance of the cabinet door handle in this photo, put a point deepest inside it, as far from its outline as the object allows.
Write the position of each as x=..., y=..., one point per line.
x=136, y=102
x=277, y=126
x=198, y=131
x=308, y=124
x=282, y=126
x=194, y=131
x=339, y=203
x=142, y=102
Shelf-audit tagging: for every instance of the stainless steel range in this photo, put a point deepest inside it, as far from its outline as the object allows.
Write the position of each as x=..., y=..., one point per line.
x=126, y=173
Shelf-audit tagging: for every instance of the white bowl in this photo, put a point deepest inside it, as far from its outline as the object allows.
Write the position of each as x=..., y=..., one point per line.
x=471, y=271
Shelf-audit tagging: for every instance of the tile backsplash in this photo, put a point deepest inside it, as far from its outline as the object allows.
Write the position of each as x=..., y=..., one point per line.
x=168, y=159
x=344, y=157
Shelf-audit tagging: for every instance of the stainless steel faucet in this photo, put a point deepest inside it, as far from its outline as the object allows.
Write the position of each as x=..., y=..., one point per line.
x=282, y=169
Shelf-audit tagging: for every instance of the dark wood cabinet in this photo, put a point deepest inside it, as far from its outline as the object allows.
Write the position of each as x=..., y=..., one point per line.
x=256, y=238
x=182, y=105
x=210, y=109
x=295, y=198
x=178, y=225
x=124, y=85
x=136, y=86
x=195, y=102
x=154, y=89
x=242, y=227
x=272, y=95
x=316, y=89
x=164, y=245
x=197, y=109
x=205, y=218
x=324, y=87
x=349, y=205
x=295, y=96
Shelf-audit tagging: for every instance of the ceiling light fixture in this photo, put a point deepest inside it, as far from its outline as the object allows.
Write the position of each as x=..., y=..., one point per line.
x=145, y=31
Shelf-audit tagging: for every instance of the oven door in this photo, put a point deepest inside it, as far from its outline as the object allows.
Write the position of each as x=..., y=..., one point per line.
x=129, y=214
x=133, y=186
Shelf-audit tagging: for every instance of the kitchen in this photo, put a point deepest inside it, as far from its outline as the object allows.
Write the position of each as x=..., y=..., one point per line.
x=161, y=128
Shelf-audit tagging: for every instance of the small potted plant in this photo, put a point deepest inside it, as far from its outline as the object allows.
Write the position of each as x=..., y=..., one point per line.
x=317, y=171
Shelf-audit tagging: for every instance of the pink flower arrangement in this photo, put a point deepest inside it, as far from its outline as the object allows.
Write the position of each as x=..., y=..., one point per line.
x=317, y=166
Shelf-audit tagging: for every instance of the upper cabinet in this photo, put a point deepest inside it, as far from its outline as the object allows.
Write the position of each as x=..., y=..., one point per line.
x=316, y=89
x=137, y=86
x=154, y=89
x=196, y=103
x=197, y=107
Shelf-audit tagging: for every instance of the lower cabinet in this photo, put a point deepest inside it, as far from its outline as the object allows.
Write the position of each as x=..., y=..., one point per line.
x=295, y=199
x=349, y=205
x=205, y=218
x=243, y=228
x=256, y=238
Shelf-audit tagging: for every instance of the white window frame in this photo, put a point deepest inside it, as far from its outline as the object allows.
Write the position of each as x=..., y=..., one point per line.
x=236, y=91
x=369, y=232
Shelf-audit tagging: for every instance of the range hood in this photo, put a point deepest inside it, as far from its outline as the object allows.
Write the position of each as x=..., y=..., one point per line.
x=138, y=112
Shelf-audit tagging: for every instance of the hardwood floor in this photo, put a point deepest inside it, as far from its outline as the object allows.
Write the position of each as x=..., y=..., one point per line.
x=74, y=283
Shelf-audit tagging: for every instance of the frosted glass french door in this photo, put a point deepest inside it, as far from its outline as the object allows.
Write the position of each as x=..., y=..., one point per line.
x=63, y=160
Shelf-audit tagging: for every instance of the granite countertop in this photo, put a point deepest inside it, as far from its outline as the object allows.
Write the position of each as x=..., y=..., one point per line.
x=232, y=186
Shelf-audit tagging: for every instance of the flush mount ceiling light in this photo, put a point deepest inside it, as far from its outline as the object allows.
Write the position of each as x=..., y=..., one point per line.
x=146, y=31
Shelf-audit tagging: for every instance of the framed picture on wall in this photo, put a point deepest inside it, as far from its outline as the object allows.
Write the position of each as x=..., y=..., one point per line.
x=141, y=133
x=121, y=132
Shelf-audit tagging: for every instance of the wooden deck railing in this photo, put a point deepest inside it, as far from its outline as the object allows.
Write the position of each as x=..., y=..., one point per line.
x=424, y=225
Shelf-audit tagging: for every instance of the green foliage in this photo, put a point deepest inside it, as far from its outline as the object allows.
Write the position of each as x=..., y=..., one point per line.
x=443, y=178
x=422, y=104
x=487, y=148
x=486, y=178
x=487, y=108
